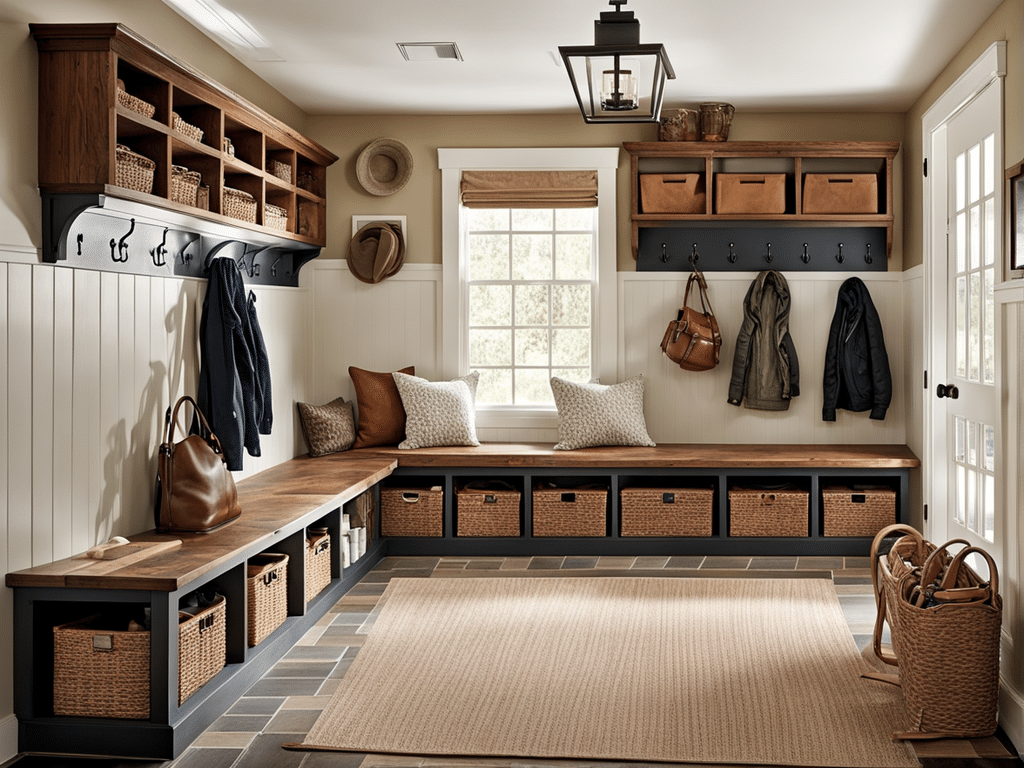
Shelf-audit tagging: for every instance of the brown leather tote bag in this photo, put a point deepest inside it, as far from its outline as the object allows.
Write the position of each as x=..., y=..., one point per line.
x=692, y=340
x=195, y=490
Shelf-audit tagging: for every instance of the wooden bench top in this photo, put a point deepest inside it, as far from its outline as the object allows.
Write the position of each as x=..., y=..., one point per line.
x=668, y=455
x=270, y=500
x=277, y=497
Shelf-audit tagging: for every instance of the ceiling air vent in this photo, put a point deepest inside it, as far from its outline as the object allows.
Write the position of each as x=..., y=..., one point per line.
x=429, y=51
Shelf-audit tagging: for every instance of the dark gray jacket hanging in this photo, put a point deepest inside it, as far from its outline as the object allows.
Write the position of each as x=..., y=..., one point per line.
x=765, y=369
x=234, y=371
x=857, y=376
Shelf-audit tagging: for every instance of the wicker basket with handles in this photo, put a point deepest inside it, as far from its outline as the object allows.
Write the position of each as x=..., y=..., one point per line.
x=266, y=594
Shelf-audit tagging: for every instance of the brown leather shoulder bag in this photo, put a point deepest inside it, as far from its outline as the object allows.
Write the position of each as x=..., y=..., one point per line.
x=692, y=340
x=195, y=490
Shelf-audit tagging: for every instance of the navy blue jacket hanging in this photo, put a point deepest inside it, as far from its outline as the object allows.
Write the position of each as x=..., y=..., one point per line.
x=234, y=373
x=857, y=376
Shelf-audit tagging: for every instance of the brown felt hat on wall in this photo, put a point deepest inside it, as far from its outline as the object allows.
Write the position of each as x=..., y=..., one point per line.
x=384, y=166
x=377, y=252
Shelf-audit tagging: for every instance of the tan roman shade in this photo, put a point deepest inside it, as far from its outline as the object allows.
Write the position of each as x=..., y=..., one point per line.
x=529, y=189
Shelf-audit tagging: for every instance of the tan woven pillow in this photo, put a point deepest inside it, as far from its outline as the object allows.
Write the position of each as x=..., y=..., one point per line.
x=327, y=428
x=380, y=411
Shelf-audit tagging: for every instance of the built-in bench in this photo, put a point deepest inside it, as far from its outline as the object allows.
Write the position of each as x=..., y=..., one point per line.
x=811, y=468
x=279, y=506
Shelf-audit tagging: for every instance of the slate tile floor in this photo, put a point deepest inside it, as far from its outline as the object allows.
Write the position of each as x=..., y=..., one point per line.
x=283, y=705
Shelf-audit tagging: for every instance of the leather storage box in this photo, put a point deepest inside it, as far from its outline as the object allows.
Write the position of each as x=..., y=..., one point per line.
x=840, y=193
x=672, y=193
x=750, y=193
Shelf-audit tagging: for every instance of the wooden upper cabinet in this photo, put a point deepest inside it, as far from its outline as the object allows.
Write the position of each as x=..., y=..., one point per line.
x=109, y=99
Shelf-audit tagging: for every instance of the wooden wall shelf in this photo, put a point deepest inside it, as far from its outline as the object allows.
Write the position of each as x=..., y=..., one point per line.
x=792, y=159
x=196, y=124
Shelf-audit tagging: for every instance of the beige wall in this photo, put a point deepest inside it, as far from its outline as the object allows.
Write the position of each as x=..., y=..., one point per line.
x=1007, y=23
x=420, y=199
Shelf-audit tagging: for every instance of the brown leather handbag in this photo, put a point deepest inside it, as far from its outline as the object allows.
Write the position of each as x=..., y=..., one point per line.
x=195, y=490
x=692, y=340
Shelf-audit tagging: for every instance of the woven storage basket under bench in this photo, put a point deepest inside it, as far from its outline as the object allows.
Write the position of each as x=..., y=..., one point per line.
x=487, y=508
x=857, y=511
x=103, y=671
x=768, y=511
x=667, y=511
x=412, y=511
x=581, y=511
x=266, y=589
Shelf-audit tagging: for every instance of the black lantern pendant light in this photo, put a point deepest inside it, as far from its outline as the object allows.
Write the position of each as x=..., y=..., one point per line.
x=617, y=79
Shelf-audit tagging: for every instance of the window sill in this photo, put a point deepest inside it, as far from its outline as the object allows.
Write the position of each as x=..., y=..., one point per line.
x=519, y=418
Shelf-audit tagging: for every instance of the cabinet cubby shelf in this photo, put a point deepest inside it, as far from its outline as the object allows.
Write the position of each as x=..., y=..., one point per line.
x=83, y=120
x=792, y=159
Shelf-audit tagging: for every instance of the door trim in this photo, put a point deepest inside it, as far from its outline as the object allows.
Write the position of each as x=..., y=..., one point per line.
x=990, y=66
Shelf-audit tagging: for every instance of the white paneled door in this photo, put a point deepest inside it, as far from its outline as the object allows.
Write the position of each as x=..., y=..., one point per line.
x=966, y=404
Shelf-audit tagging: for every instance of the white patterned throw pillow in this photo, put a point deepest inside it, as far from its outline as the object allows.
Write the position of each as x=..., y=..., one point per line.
x=590, y=415
x=438, y=412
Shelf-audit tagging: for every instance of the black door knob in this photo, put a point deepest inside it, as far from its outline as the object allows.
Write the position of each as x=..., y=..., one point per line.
x=947, y=390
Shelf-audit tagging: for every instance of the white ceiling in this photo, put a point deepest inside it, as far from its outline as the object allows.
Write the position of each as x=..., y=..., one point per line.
x=340, y=57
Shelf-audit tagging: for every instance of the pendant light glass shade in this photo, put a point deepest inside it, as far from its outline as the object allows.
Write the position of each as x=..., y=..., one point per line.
x=618, y=80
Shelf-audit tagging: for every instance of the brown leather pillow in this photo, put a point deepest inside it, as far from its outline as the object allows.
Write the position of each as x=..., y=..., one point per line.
x=381, y=415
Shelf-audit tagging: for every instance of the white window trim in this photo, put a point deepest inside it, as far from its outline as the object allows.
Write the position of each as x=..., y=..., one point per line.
x=452, y=162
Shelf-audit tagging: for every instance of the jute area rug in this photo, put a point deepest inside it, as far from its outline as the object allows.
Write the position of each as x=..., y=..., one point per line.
x=745, y=671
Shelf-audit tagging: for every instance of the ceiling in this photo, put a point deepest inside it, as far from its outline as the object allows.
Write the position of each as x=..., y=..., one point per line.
x=340, y=57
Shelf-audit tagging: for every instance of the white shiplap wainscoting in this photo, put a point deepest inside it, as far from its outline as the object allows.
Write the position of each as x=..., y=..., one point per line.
x=687, y=407
x=89, y=362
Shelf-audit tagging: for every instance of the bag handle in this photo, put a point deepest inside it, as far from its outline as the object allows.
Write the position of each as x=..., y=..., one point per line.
x=173, y=418
x=932, y=568
x=947, y=583
x=878, y=563
x=702, y=290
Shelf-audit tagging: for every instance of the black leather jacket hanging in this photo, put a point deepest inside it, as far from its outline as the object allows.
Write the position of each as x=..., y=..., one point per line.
x=857, y=376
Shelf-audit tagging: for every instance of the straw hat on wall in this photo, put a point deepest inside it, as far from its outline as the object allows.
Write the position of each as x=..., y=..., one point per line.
x=376, y=252
x=384, y=166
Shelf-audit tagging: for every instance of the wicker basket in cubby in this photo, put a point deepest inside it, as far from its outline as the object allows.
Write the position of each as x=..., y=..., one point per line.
x=487, y=508
x=275, y=217
x=768, y=512
x=132, y=170
x=581, y=511
x=239, y=205
x=281, y=170
x=857, y=511
x=193, y=132
x=184, y=185
x=133, y=103
x=412, y=511
x=99, y=671
x=667, y=511
x=202, y=644
x=266, y=594
x=318, y=561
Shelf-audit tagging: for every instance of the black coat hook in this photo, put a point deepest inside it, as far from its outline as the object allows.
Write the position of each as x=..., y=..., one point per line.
x=78, y=239
x=694, y=256
x=160, y=252
x=805, y=257
x=119, y=248
x=768, y=256
x=867, y=255
x=664, y=253
x=839, y=256
x=273, y=268
x=732, y=253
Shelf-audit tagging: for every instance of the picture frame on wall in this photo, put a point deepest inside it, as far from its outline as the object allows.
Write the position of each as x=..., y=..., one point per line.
x=1015, y=176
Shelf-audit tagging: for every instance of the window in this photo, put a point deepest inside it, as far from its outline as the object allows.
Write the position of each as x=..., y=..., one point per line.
x=530, y=292
x=530, y=283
